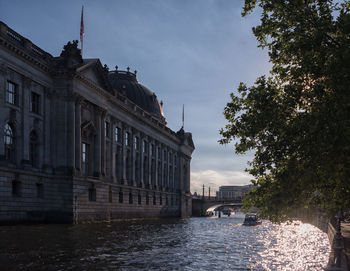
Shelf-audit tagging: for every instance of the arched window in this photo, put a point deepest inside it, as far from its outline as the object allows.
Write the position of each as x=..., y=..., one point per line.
x=9, y=143
x=34, y=149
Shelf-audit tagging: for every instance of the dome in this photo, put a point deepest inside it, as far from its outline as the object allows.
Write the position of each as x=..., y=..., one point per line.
x=125, y=82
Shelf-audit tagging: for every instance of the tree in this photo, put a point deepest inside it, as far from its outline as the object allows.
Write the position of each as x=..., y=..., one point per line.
x=298, y=119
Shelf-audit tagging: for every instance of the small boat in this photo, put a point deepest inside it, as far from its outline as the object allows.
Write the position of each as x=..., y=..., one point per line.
x=251, y=220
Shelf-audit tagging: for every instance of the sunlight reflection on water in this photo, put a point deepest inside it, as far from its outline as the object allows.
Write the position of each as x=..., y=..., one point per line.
x=175, y=244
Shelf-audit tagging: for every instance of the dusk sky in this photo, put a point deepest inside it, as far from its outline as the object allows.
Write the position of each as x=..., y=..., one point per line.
x=188, y=52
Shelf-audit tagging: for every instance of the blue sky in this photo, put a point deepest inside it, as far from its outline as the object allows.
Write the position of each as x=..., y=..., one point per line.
x=188, y=52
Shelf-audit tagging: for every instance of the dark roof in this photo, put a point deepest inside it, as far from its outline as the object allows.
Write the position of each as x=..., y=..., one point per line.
x=125, y=82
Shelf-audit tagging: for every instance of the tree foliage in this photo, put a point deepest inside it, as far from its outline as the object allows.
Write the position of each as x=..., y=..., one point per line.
x=298, y=119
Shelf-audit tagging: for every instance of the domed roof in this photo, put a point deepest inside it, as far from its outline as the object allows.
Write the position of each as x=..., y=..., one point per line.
x=125, y=82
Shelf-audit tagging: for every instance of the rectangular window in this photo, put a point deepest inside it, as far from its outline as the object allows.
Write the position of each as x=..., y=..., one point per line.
x=137, y=143
x=144, y=146
x=139, y=199
x=85, y=158
x=107, y=129
x=35, y=103
x=16, y=188
x=127, y=138
x=110, y=194
x=117, y=134
x=147, y=198
x=11, y=93
x=92, y=193
x=130, y=198
x=120, y=196
x=39, y=190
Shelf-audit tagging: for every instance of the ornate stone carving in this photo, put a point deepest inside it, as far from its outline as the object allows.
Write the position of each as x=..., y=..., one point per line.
x=71, y=54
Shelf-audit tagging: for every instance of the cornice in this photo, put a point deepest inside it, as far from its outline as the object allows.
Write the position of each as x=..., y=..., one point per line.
x=24, y=55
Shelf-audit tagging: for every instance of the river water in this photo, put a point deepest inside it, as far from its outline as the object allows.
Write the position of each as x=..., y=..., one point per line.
x=209, y=243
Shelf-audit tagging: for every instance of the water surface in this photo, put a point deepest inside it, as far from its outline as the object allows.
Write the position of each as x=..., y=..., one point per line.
x=164, y=244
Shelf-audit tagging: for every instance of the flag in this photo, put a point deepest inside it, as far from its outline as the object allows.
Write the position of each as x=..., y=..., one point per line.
x=82, y=25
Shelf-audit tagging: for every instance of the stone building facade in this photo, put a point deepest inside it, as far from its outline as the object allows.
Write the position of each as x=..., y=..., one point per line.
x=80, y=142
x=235, y=192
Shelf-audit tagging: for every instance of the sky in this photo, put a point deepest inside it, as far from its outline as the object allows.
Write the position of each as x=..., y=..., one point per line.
x=188, y=52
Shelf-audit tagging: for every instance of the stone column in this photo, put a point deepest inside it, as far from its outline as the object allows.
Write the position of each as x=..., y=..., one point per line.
x=133, y=158
x=78, y=133
x=113, y=150
x=149, y=163
x=124, y=152
x=47, y=128
x=103, y=142
x=3, y=79
x=24, y=130
x=156, y=165
x=71, y=133
x=97, y=144
x=173, y=172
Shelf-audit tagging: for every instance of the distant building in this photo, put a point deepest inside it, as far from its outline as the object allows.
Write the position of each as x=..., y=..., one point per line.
x=233, y=192
x=80, y=142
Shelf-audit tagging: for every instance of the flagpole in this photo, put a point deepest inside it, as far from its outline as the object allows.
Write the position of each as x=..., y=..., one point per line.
x=183, y=116
x=82, y=32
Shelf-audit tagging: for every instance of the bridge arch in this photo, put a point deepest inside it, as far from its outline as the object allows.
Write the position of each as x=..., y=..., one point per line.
x=200, y=206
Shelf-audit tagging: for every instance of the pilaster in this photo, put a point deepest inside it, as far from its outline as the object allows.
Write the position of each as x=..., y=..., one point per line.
x=97, y=144
x=78, y=100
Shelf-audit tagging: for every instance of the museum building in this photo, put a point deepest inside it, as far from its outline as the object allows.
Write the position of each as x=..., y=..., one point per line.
x=80, y=142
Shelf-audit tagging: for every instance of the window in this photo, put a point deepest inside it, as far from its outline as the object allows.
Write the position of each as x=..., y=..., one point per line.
x=121, y=196
x=136, y=143
x=160, y=200
x=110, y=194
x=85, y=158
x=39, y=190
x=139, y=198
x=107, y=129
x=147, y=198
x=152, y=150
x=117, y=134
x=144, y=146
x=166, y=200
x=127, y=138
x=16, y=188
x=9, y=142
x=35, y=103
x=130, y=198
x=92, y=193
x=34, y=149
x=11, y=93
x=154, y=199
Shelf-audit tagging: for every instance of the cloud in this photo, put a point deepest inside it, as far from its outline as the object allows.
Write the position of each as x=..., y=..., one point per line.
x=214, y=179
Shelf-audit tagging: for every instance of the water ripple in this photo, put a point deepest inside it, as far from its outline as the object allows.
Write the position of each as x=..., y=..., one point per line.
x=175, y=244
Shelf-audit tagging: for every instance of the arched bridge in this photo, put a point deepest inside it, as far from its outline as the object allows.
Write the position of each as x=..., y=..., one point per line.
x=200, y=205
